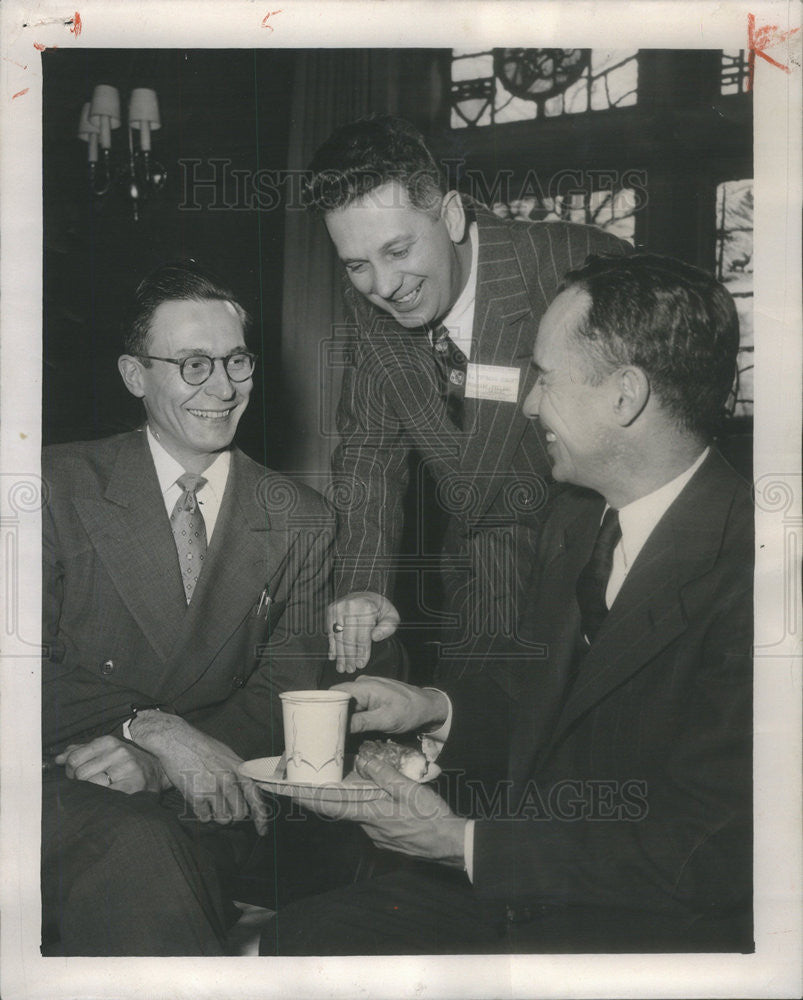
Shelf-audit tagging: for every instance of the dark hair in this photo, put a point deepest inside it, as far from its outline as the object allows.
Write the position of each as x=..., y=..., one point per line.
x=175, y=281
x=674, y=321
x=365, y=154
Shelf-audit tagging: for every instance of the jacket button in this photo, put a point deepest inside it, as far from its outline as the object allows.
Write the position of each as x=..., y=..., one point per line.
x=107, y=667
x=237, y=682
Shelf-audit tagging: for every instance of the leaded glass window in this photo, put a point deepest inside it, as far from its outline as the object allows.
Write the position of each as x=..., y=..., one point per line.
x=735, y=269
x=612, y=210
x=495, y=86
x=734, y=71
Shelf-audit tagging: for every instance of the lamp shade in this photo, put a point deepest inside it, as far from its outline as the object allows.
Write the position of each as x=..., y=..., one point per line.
x=105, y=111
x=89, y=132
x=143, y=114
x=86, y=127
x=144, y=107
x=105, y=103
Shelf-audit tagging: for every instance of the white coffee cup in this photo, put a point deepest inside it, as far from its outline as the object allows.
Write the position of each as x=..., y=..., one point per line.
x=314, y=734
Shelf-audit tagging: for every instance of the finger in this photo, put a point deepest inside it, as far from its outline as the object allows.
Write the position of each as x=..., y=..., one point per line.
x=76, y=754
x=99, y=766
x=358, y=650
x=384, y=630
x=257, y=806
x=231, y=804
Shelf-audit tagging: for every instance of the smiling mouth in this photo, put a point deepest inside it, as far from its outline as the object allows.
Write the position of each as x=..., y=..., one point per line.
x=212, y=414
x=410, y=297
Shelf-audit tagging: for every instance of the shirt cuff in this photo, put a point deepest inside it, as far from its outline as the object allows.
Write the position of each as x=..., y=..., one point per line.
x=468, y=849
x=441, y=734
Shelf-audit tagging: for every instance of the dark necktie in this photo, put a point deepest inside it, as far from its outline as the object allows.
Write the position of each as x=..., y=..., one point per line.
x=189, y=531
x=593, y=581
x=452, y=366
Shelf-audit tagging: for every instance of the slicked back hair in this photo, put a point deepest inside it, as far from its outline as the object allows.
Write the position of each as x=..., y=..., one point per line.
x=366, y=154
x=176, y=281
x=674, y=321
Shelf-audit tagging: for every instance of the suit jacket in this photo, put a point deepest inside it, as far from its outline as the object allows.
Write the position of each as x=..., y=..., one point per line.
x=116, y=623
x=629, y=785
x=391, y=402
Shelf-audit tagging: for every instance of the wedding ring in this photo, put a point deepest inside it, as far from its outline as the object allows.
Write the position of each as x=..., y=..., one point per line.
x=337, y=627
x=108, y=778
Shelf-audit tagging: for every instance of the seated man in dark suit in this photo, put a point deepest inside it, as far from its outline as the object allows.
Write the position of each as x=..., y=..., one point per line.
x=184, y=587
x=606, y=783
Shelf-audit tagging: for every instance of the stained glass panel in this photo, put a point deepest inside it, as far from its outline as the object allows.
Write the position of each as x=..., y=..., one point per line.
x=735, y=270
x=506, y=85
x=733, y=71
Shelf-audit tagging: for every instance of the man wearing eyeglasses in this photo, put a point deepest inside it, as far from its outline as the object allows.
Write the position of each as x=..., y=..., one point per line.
x=182, y=589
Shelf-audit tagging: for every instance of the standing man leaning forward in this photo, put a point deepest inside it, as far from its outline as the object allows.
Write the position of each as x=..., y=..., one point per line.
x=611, y=775
x=423, y=262
x=167, y=648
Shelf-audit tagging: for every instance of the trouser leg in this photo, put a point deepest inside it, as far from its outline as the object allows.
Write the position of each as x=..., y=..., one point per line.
x=421, y=909
x=123, y=875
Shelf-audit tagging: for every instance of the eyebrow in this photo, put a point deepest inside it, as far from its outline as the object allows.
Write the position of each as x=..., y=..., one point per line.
x=189, y=352
x=389, y=244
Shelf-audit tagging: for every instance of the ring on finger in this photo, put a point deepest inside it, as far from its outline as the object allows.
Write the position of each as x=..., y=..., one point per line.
x=109, y=781
x=338, y=628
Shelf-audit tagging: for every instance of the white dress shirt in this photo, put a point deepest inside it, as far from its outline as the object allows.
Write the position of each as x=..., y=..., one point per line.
x=637, y=521
x=210, y=495
x=459, y=321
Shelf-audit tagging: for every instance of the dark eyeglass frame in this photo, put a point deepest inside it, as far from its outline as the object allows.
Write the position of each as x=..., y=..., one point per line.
x=182, y=362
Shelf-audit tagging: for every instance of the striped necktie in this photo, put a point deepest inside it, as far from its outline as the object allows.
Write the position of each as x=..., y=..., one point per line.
x=189, y=531
x=452, y=366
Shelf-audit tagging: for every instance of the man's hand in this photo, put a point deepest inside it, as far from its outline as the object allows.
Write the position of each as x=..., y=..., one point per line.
x=115, y=764
x=361, y=618
x=387, y=706
x=412, y=820
x=202, y=768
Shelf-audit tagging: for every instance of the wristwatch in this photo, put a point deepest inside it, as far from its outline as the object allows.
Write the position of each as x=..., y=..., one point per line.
x=135, y=710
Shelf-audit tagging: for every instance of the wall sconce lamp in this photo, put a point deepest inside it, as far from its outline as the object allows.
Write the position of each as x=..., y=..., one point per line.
x=139, y=176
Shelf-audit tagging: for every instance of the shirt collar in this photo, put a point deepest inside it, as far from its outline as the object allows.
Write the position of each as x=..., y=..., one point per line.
x=465, y=300
x=637, y=519
x=168, y=469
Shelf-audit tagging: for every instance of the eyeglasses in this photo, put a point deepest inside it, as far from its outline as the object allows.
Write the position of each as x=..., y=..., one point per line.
x=197, y=368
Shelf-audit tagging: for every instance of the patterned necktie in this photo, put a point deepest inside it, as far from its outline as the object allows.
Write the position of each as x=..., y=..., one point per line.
x=593, y=581
x=189, y=531
x=452, y=366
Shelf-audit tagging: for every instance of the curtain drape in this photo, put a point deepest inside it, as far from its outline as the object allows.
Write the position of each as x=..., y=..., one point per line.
x=332, y=87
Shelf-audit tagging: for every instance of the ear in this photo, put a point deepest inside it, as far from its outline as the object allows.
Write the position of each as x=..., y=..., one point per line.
x=454, y=215
x=131, y=370
x=632, y=393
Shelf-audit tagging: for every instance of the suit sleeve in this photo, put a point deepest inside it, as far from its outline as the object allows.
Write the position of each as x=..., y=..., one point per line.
x=293, y=654
x=682, y=835
x=370, y=473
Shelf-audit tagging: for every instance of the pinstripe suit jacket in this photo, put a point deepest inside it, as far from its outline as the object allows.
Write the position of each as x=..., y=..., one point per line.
x=391, y=402
x=659, y=716
x=117, y=627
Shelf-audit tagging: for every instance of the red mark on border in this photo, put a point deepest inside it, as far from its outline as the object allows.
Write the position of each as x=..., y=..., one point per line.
x=76, y=24
x=760, y=39
x=20, y=93
x=39, y=47
x=267, y=17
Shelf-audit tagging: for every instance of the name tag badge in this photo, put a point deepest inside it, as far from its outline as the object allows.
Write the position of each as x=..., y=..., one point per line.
x=492, y=382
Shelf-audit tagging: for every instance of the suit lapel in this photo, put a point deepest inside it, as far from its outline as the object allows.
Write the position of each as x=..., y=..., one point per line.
x=554, y=623
x=503, y=335
x=648, y=612
x=131, y=533
x=239, y=564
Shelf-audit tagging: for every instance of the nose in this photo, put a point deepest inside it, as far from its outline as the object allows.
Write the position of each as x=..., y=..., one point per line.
x=219, y=384
x=387, y=280
x=532, y=403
